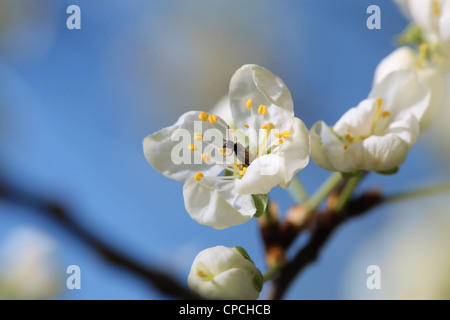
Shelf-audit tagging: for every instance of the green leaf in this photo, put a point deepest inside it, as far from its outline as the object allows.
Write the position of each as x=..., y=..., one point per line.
x=261, y=201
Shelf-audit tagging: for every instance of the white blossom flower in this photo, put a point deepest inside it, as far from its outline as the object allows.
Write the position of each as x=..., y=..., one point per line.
x=405, y=58
x=29, y=267
x=378, y=133
x=223, y=165
x=433, y=18
x=223, y=273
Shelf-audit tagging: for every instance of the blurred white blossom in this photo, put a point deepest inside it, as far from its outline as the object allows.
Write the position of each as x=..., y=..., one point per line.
x=29, y=266
x=225, y=273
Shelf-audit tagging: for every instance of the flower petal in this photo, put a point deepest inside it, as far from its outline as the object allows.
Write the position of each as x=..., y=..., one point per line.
x=227, y=275
x=263, y=88
x=167, y=150
x=403, y=58
x=280, y=167
x=402, y=93
x=215, y=203
x=318, y=154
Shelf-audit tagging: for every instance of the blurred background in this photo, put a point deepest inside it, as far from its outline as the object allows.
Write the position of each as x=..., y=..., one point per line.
x=75, y=106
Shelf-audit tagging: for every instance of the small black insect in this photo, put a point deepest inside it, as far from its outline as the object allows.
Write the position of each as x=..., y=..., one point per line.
x=239, y=150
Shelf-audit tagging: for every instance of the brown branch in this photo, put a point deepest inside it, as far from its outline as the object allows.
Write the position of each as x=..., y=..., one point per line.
x=158, y=279
x=323, y=226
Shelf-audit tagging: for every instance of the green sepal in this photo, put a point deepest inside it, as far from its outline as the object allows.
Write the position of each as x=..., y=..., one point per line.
x=243, y=252
x=351, y=174
x=261, y=201
x=413, y=34
x=389, y=172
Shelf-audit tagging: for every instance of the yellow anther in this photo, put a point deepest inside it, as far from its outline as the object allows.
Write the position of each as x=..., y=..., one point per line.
x=206, y=157
x=270, y=126
x=264, y=126
x=198, y=136
x=213, y=118
x=349, y=138
x=262, y=109
x=286, y=134
x=236, y=166
x=246, y=125
x=222, y=150
x=423, y=50
x=278, y=142
x=436, y=8
x=193, y=147
x=385, y=114
x=203, y=116
x=243, y=171
x=248, y=104
x=345, y=147
x=198, y=176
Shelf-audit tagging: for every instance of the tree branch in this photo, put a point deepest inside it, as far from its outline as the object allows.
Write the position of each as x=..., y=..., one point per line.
x=323, y=226
x=158, y=279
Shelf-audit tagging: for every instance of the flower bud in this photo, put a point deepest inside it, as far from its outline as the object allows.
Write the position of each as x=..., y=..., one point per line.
x=226, y=274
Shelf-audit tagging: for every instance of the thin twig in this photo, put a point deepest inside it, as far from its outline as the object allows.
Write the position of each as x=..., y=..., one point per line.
x=324, y=226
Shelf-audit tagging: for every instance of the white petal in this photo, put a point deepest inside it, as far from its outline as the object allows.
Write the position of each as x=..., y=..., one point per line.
x=278, y=168
x=264, y=88
x=228, y=275
x=388, y=151
x=402, y=93
x=295, y=151
x=166, y=150
x=444, y=23
x=422, y=14
x=357, y=121
x=328, y=151
x=222, y=110
x=435, y=81
x=318, y=154
x=216, y=203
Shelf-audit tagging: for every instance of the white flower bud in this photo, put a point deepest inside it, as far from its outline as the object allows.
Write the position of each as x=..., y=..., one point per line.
x=225, y=273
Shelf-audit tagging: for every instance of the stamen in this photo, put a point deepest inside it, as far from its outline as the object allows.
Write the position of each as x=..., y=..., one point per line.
x=270, y=126
x=278, y=134
x=385, y=114
x=377, y=113
x=278, y=142
x=262, y=109
x=198, y=136
x=345, y=147
x=213, y=118
x=222, y=150
x=243, y=171
x=264, y=126
x=203, y=116
x=423, y=50
x=198, y=176
x=286, y=134
x=248, y=104
x=436, y=8
x=206, y=157
x=246, y=125
x=349, y=138
x=192, y=147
